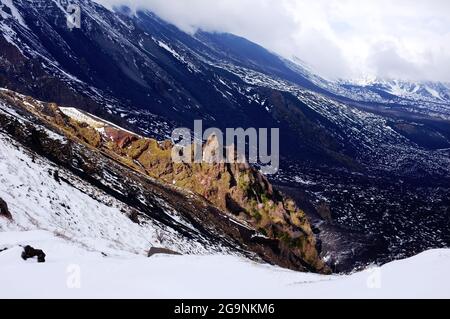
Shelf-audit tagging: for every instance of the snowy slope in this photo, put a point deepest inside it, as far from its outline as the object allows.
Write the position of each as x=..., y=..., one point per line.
x=73, y=272
x=77, y=211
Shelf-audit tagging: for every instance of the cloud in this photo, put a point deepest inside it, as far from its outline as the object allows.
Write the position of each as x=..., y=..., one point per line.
x=384, y=58
x=408, y=39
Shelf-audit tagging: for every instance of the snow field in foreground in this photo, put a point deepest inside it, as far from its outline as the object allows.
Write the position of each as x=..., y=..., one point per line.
x=73, y=272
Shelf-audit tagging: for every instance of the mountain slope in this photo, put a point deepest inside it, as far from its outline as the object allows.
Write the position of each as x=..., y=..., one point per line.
x=78, y=211
x=373, y=162
x=146, y=75
x=100, y=154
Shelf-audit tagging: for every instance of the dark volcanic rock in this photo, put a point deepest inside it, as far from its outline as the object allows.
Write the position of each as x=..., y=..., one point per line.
x=157, y=251
x=4, y=212
x=30, y=252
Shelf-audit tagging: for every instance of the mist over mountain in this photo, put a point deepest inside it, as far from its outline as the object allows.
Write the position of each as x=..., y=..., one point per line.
x=405, y=40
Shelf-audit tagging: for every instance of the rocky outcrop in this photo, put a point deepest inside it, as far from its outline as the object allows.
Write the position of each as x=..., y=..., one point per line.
x=4, y=211
x=240, y=190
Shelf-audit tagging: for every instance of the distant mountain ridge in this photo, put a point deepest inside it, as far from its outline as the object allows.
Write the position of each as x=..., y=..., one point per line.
x=426, y=91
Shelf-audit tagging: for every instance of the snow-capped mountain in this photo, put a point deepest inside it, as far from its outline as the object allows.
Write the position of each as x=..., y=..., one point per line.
x=417, y=91
x=363, y=150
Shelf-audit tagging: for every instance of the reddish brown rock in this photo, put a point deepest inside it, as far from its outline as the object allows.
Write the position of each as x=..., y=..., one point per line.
x=121, y=138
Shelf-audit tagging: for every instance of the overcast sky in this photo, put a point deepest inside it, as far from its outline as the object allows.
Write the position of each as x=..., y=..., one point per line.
x=408, y=39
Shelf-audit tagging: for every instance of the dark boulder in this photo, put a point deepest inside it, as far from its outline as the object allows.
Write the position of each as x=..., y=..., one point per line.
x=4, y=212
x=56, y=177
x=7, y=10
x=134, y=216
x=30, y=252
x=162, y=251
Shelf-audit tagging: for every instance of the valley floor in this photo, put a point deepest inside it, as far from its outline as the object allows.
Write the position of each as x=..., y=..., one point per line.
x=73, y=271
